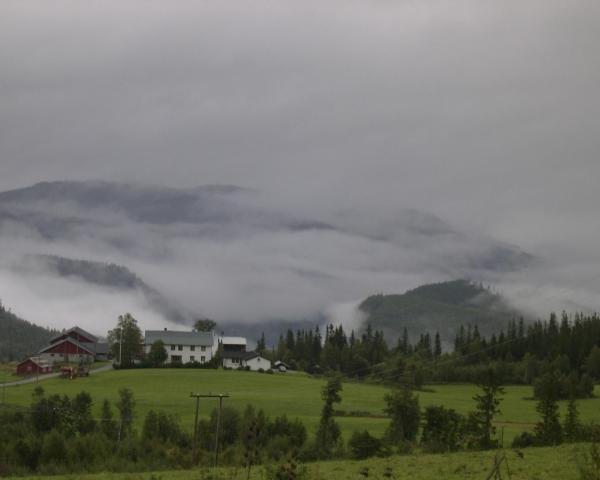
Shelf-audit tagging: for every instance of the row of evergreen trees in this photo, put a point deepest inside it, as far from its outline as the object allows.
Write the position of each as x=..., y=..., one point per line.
x=519, y=354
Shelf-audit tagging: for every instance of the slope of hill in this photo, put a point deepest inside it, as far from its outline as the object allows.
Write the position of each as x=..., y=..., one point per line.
x=439, y=307
x=106, y=275
x=20, y=338
x=222, y=251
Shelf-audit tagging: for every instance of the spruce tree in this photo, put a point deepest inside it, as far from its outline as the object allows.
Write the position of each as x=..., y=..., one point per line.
x=548, y=430
x=487, y=403
x=328, y=434
x=572, y=425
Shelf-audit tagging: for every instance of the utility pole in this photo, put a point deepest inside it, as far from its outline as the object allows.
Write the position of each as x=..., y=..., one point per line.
x=198, y=396
x=195, y=445
x=121, y=346
x=218, y=431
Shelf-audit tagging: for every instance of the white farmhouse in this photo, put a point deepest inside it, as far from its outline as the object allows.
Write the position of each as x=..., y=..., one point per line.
x=252, y=360
x=183, y=347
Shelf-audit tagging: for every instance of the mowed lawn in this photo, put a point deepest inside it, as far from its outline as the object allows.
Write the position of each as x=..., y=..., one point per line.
x=556, y=463
x=294, y=394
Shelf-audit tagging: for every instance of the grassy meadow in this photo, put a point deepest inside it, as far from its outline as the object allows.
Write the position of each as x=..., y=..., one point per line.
x=556, y=463
x=7, y=372
x=294, y=394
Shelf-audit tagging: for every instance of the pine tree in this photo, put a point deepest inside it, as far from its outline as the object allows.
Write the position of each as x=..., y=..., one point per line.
x=437, y=349
x=487, y=408
x=328, y=434
x=572, y=425
x=548, y=430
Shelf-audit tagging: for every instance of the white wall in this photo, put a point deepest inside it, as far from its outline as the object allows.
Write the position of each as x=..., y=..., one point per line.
x=257, y=363
x=186, y=353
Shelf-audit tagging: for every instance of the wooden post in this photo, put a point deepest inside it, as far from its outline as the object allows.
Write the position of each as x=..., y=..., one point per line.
x=195, y=447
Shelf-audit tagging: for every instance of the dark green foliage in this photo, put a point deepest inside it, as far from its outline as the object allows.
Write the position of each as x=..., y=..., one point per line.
x=364, y=445
x=107, y=425
x=82, y=413
x=524, y=440
x=486, y=409
x=441, y=306
x=125, y=340
x=19, y=338
x=572, y=427
x=205, y=325
x=328, y=433
x=125, y=406
x=158, y=353
x=548, y=430
x=162, y=427
x=589, y=463
x=54, y=449
x=592, y=362
x=404, y=412
x=58, y=435
x=442, y=429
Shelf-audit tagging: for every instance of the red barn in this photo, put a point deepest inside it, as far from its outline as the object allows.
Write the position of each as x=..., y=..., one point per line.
x=67, y=350
x=77, y=334
x=33, y=365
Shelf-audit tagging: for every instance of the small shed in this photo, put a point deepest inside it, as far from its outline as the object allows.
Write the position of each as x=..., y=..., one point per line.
x=33, y=365
x=281, y=366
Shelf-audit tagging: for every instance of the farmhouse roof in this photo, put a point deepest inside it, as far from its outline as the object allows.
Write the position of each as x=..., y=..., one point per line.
x=170, y=337
x=233, y=341
x=241, y=355
x=79, y=331
x=83, y=346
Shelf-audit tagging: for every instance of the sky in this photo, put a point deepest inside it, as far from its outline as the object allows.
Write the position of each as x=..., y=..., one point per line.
x=482, y=112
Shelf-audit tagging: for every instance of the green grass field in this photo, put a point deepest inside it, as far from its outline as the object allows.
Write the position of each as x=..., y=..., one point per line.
x=7, y=372
x=558, y=463
x=295, y=394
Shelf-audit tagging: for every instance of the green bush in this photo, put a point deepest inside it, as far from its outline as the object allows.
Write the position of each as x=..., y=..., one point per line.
x=364, y=445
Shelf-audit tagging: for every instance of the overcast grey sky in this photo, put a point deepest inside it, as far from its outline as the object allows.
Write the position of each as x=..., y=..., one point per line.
x=485, y=112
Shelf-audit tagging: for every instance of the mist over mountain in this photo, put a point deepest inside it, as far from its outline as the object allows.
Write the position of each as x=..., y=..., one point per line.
x=440, y=307
x=224, y=252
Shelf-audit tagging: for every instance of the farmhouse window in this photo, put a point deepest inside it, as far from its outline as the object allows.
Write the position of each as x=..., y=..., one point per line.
x=172, y=347
x=203, y=359
x=180, y=347
x=193, y=348
x=203, y=349
x=192, y=358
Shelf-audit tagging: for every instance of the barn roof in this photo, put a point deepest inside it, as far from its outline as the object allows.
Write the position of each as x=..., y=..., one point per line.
x=83, y=346
x=171, y=337
x=40, y=362
x=78, y=331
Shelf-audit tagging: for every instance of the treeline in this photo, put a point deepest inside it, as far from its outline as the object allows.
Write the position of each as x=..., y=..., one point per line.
x=58, y=435
x=19, y=338
x=519, y=354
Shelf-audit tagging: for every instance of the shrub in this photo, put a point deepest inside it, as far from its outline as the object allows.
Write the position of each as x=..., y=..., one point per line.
x=524, y=440
x=443, y=429
x=364, y=445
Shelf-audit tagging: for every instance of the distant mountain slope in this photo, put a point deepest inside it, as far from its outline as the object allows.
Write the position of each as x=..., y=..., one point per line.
x=20, y=338
x=106, y=275
x=438, y=307
x=230, y=253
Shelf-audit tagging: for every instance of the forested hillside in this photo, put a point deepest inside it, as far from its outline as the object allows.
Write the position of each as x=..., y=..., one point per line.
x=440, y=307
x=19, y=338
